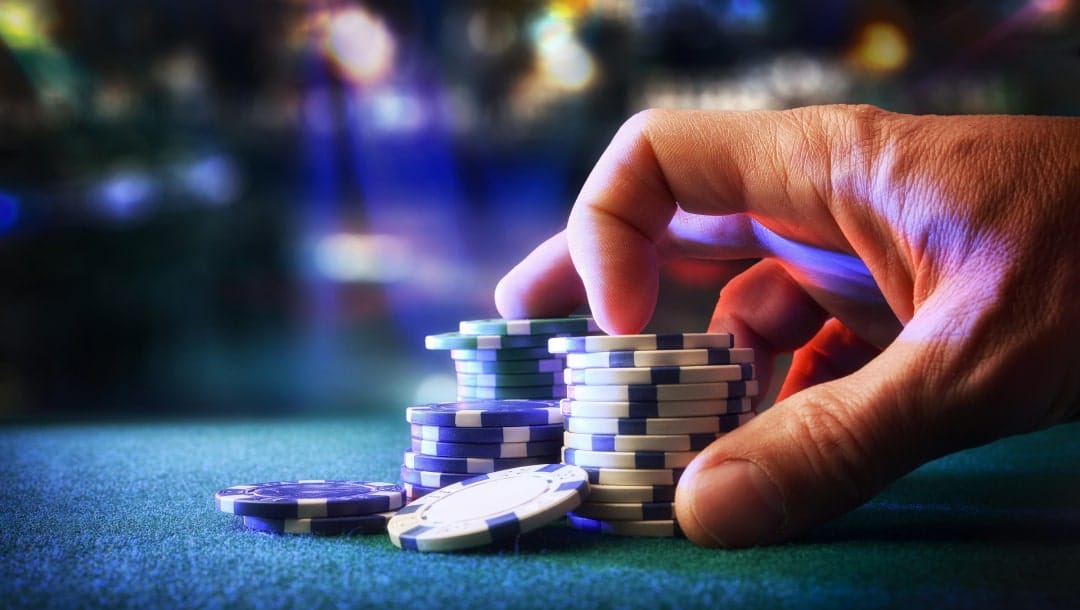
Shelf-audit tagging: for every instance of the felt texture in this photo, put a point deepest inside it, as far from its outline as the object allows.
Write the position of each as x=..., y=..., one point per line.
x=122, y=515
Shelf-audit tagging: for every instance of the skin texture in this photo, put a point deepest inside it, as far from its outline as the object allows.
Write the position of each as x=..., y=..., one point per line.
x=921, y=269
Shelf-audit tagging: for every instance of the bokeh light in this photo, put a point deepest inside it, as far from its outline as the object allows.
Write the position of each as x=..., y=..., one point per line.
x=361, y=45
x=563, y=61
x=881, y=47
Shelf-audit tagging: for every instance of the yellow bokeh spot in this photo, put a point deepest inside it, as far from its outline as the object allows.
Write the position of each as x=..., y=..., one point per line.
x=21, y=26
x=882, y=47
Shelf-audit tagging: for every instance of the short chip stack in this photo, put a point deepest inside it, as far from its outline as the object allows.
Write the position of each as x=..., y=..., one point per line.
x=509, y=359
x=639, y=408
x=452, y=442
x=320, y=507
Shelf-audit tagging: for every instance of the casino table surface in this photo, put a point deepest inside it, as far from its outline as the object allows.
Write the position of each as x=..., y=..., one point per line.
x=122, y=515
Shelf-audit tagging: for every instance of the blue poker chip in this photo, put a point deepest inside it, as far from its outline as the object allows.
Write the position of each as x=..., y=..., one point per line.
x=374, y=523
x=414, y=492
x=501, y=355
x=486, y=413
x=432, y=479
x=634, y=476
x=310, y=499
x=545, y=449
x=660, y=528
x=493, y=434
x=487, y=508
x=657, y=425
x=418, y=461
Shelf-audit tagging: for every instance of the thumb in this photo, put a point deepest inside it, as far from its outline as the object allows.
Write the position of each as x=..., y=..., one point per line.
x=819, y=453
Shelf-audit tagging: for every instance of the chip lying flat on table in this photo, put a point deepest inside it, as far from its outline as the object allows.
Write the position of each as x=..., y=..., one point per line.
x=492, y=507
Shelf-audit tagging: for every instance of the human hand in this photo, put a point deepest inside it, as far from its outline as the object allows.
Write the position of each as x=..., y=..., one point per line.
x=922, y=269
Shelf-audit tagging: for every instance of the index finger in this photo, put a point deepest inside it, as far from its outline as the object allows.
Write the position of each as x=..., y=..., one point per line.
x=773, y=166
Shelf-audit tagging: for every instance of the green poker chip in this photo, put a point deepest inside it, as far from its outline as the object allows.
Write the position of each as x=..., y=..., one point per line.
x=573, y=325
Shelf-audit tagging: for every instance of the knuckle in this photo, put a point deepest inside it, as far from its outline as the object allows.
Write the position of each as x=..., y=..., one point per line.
x=835, y=445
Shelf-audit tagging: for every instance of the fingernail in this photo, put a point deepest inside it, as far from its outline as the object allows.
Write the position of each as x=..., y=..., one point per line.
x=737, y=504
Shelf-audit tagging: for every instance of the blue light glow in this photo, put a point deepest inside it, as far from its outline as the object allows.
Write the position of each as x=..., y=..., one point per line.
x=9, y=211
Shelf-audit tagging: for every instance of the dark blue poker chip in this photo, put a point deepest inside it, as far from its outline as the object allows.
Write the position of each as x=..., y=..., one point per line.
x=329, y=526
x=486, y=413
x=310, y=499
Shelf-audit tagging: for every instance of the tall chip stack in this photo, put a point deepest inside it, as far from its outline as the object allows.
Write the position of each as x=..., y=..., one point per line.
x=639, y=408
x=506, y=414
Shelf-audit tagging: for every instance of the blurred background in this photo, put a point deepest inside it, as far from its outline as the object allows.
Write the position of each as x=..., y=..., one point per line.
x=262, y=206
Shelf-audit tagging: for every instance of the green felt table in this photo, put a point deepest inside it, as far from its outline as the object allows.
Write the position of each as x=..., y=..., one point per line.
x=122, y=515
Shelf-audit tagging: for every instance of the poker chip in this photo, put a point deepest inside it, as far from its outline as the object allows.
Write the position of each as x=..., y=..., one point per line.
x=674, y=408
x=657, y=442
x=451, y=341
x=310, y=499
x=507, y=380
x=608, y=343
x=660, y=375
x=573, y=325
x=503, y=434
x=666, y=357
x=486, y=450
x=500, y=355
x=666, y=528
x=626, y=511
x=630, y=476
x=651, y=392
x=497, y=413
x=485, y=509
x=631, y=493
x=413, y=492
x=465, y=392
x=628, y=459
x=432, y=479
x=418, y=461
x=658, y=425
x=510, y=367
x=374, y=523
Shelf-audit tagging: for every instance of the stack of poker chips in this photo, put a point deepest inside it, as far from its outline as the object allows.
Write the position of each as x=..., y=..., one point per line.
x=452, y=442
x=509, y=359
x=639, y=408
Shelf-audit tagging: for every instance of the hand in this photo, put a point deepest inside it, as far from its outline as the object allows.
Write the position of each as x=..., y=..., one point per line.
x=922, y=269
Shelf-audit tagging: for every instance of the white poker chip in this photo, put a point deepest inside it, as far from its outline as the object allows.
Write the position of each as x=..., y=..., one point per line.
x=631, y=493
x=633, y=476
x=660, y=375
x=628, y=459
x=608, y=343
x=641, y=393
x=662, y=357
x=674, y=408
x=658, y=425
x=626, y=511
x=644, y=442
x=490, y=507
